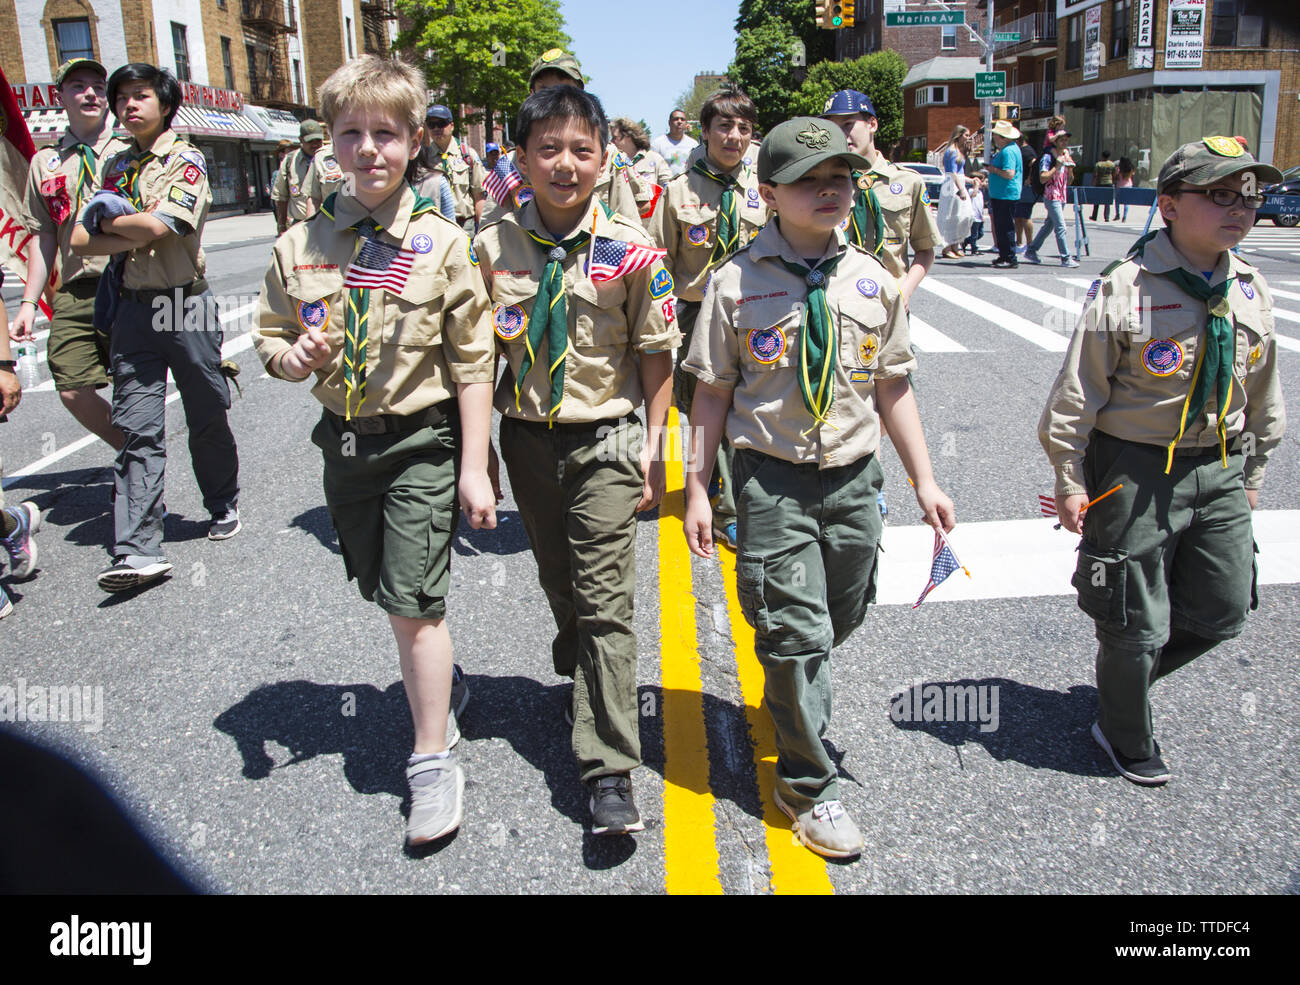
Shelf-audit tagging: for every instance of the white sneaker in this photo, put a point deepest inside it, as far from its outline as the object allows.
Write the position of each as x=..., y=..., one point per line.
x=437, y=790
x=825, y=828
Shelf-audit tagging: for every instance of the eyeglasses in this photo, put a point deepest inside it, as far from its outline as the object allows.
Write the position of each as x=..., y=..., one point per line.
x=1225, y=198
x=437, y=124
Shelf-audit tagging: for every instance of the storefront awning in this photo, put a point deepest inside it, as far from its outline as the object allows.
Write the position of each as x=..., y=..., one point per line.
x=214, y=123
x=275, y=124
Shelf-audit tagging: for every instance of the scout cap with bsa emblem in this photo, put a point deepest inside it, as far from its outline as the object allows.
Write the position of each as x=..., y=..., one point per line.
x=558, y=60
x=1003, y=128
x=1205, y=161
x=846, y=102
x=797, y=146
x=310, y=130
x=72, y=64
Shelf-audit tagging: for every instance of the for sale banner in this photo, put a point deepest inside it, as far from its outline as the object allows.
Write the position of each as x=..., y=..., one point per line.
x=1185, y=34
x=1092, y=43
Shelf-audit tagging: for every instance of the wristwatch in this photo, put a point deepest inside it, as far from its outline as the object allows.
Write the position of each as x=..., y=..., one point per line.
x=9, y=364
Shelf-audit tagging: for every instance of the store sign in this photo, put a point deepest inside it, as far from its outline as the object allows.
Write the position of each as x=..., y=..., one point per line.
x=41, y=95
x=1146, y=24
x=1066, y=7
x=213, y=98
x=1092, y=43
x=925, y=18
x=1185, y=34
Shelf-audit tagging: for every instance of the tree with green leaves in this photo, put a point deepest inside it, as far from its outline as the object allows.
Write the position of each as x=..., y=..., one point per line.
x=879, y=74
x=767, y=34
x=799, y=15
x=453, y=39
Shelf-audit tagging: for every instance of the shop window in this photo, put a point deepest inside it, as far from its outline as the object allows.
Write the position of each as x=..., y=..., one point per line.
x=1238, y=24
x=1120, y=27
x=72, y=38
x=182, y=50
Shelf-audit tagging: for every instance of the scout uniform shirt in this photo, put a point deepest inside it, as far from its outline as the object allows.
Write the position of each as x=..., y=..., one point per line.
x=57, y=190
x=747, y=341
x=427, y=329
x=609, y=321
x=1128, y=370
x=170, y=179
x=324, y=177
x=290, y=182
x=463, y=169
x=614, y=187
x=652, y=168
x=906, y=207
x=686, y=224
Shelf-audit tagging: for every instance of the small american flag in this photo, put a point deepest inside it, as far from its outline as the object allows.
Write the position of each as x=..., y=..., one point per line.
x=1047, y=505
x=379, y=264
x=502, y=180
x=612, y=258
x=942, y=565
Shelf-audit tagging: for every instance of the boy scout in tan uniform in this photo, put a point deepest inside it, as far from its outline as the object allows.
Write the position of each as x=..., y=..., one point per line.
x=324, y=177
x=460, y=166
x=570, y=445
x=806, y=471
x=1165, y=565
x=289, y=192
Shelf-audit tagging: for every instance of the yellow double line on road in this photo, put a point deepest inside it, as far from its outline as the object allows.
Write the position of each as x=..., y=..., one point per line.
x=690, y=841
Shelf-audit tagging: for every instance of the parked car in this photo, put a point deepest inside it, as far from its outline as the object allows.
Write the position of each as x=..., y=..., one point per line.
x=932, y=176
x=1289, y=185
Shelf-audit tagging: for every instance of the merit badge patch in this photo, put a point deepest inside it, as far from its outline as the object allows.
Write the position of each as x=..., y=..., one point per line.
x=1223, y=146
x=1255, y=353
x=669, y=309
x=509, y=322
x=697, y=234
x=1247, y=290
x=868, y=288
x=1162, y=357
x=869, y=347
x=523, y=195
x=192, y=175
x=53, y=163
x=195, y=158
x=752, y=199
x=313, y=314
x=859, y=376
x=766, y=345
x=1093, y=288
x=181, y=197
x=469, y=252
x=421, y=243
x=896, y=187
x=661, y=284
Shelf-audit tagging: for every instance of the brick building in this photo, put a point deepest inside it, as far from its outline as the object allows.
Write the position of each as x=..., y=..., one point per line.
x=1030, y=63
x=1133, y=80
x=938, y=94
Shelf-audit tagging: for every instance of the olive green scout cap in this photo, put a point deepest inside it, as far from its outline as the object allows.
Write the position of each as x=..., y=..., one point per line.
x=1205, y=161
x=310, y=130
x=72, y=64
x=796, y=146
x=559, y=60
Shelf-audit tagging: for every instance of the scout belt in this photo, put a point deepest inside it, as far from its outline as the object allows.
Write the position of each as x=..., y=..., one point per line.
x=433, y=416
x=146, y=295
x=579, y=426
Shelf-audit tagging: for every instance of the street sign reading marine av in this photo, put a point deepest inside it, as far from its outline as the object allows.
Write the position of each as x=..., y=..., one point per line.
x=928, y=18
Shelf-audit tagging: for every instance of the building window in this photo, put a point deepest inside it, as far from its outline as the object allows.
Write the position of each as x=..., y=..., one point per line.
x=1074, y=43
x=1120, y=27
x=1049, y=71
x=227, y=63
x=1238, y=24
x=182, y=50
x=250, y=52
x=72, y=38
x=221, y=4
x=297, y=83
x=948, y=42
x=348, y=33
x=932, y=96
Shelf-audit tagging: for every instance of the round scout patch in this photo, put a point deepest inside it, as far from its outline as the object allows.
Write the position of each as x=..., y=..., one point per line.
x=896, y=187
x=552, y=54
x=1162, y=357
x=421, y=243
x=1247, y=290
x=313, y=314
x=869, y=347
x=1223, y=146
x=752, y=198
x=766, y=345
x=1219, y=307
x=697, y=234
x=469, y=252
x=293, y=189
x=510, y=322
x=331, y=169
x=868, y=288
x=661, y=284
x=523, y=195
x=53, y=163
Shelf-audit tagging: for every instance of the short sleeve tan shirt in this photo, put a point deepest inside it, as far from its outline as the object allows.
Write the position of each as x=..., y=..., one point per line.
x=324, y=177
x=906, y=207
x=465, y=177
x=290, y=185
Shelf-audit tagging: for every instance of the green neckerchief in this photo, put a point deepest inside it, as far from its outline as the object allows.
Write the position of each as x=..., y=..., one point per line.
x=550, y=319
x=85, y=173
x=132, y=178
x=818, y=340
x=1213, y=368
x=728, y=231
x=866, y=207
x=355, y=335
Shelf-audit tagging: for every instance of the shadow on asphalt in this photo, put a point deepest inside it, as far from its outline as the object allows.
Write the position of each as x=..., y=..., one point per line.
x=1040, y=728
x=316, y=521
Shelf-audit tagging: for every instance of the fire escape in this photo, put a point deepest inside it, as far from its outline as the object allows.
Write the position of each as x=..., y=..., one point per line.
x=374, y=27
x=267, y=24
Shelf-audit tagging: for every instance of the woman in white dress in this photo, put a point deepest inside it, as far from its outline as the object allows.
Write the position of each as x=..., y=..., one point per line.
x=955, y=211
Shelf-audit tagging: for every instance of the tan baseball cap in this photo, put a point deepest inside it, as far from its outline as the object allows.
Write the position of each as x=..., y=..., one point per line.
x=557, y=60
x=1205, y=161
x=72, y=64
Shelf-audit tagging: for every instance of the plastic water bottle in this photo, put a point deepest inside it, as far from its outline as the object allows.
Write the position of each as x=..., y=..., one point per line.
x=29, y=373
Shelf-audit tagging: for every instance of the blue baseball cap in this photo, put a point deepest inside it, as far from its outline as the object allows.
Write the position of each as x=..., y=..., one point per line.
x=437, y=112
x=489, y=148
x=848, y=101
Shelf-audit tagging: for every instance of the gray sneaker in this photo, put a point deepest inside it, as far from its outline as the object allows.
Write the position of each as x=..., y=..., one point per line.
x=437, y=787
x=825, y=828
x=20, y=544
x=132, y=571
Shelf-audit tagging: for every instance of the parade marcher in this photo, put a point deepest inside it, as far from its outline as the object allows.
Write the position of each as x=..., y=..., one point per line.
x=17, y=523
x=379, y=299
x=801, y=342
x=1006, y=183
x=62, y=179
x=1169, y=395
x=289, y=192
x=1056, y=171
x=707, y=214
x=1023, y=211
x=426, y=176
x=491, y=153
x=955, y=212
x=166, y=321
x=676, y=145
x=629, y=138
x=579, y=462
x=458, y=164
x=1103, y=176
x=324, y=177
x=891, y=209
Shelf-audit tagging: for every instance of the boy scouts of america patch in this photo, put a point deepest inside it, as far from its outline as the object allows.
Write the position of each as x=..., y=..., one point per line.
x=1247, y=290
x=752, y=199
x=896, y=187
x=661, y=284
x=1223, y=146
x=313, y=314
x=523, y=195
x=331, y=169
x=510, y=322
x=1162, y=357
x=814, y=137
x=697, y=234
x=868, y=288
x=421, y=243
x=469, y=252
x=53, y=163
x=766, y=345
x=869, y=347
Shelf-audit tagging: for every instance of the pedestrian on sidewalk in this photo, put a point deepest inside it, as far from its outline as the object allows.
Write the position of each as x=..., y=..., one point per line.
x=955, y=211
x=1056, y=169
x=1006, y=183
x=1103, y=176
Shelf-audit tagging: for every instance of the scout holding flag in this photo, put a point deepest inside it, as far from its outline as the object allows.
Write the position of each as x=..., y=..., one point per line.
x=1169, y=399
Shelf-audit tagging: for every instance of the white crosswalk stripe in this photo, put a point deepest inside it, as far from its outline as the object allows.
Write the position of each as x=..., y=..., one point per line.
x=1023, y=327
x=927, y=338
x=1074, y=305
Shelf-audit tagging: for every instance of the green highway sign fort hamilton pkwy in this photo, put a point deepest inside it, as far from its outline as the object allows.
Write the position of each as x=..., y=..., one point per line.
x=928, y=19
x=990, y=85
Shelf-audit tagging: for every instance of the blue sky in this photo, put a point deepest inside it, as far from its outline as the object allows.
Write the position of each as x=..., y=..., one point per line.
x=639, y=57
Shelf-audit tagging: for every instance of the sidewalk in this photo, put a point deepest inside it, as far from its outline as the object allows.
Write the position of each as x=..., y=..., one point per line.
x=238, y=228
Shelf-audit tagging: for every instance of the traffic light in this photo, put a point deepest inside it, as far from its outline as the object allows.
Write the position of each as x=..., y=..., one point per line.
x=821, y=14
x=848, y=12
x=1006, y=111
x=835, y=15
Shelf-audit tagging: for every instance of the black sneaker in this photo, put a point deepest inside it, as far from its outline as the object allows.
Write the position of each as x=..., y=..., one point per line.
x=1151, y=772
x=1003, y=264
x=613, y=812
x=225, y=526
x=126, y=573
